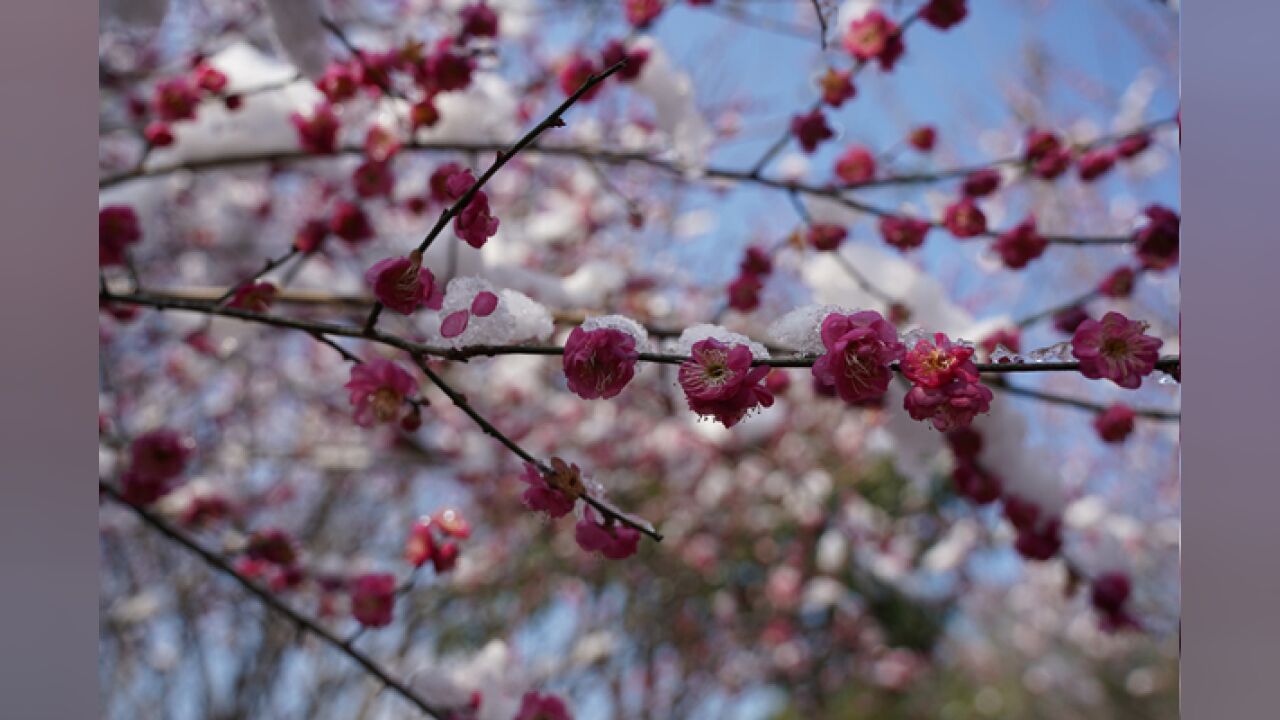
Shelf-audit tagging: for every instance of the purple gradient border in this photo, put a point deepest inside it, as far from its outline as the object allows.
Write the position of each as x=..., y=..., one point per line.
x=48, y=382
x=1231, y=487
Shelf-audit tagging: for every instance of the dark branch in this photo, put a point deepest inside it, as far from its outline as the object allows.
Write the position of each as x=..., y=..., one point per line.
x=303, y=622
x=501, y=159
x=163, y=302
x=489, y=429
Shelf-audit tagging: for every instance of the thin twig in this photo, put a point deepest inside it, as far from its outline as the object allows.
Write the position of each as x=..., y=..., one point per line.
x=1013, y=160
x=822, y=24
x=853, y=272
x=782, y=141
x=760, y=22
x=831, y=193
x=1036, y=317
x=320, y=331
x=303, y=622
x=384, y=83
x=501, y=159
x=267, y=267
x=1150, y=413
x=489, y=429
x=345, y=353
x=1081, y=299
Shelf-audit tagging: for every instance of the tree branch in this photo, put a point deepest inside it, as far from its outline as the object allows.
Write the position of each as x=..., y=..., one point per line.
x=268, y=266
x=835, y=194
x=162, y=302
x=1152, y=414
x=1013, y=160
x=501, y=159
x=822, y=24
x=782, y=142
x=489, y=429
x=303, y=622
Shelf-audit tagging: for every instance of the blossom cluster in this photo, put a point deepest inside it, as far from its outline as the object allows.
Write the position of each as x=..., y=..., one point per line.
x=556, y=493
x=422, y=73
x=744, y=291
x=871, y=37
x=579, y=67
x=178, y=98
x=1038, y=531
x=945, y=387
x=273, y=554
x=434, y=539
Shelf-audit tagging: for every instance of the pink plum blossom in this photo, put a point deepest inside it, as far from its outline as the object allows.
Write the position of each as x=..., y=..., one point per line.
x=825, y=237
x=903, y=233
x=1115, y=423
x=756, y=261
x=1115, y=348
x=158, y=134
x=615, y=51
x=642, y=13
x=373, y=178
x=974, y=482
x=1109, y=594
x=1095, y=163
x=744, y=292
x=719, y=381
x=613, y=540
x=811, y=129
x=421, y=545
x=860, y=347
x=836, y=86
x=338, y=83
x=575, y=73
x=1067, y=320
x=475, y=224
x=945, y=14
x=1133, y=145
x=856, y=165
x=874, y=36
x=373, y=598
x=1156, y=242
x=478, y=20
x=317, y=133
x=938, y=362
x=378, y=390
x=539, y=706
x=118, y=228
x=599, y=363
x=176, y=99
x=923, y=138
x=981, y=183
x=1118, y=284
x=949, y=407
x=402, y=284
x=540, y=496
x=272, y=545
x=160, y=454
x=350, y=223
x=1020, y=244
x=254, y=296
x=964, y=219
